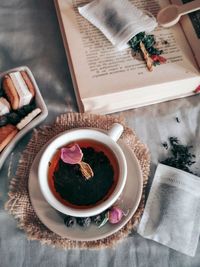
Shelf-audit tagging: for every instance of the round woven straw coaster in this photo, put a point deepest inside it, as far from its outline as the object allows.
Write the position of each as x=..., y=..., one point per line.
x=19, y=204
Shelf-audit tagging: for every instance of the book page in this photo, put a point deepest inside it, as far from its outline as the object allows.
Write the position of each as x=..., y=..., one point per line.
x=191, y=27
x=100, y=69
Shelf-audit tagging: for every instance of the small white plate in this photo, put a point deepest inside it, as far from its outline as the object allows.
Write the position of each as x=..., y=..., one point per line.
x=39, y=104
x=130, y=199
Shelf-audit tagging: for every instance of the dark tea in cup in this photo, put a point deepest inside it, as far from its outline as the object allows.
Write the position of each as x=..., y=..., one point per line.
x=96, y=176
x=70, y=187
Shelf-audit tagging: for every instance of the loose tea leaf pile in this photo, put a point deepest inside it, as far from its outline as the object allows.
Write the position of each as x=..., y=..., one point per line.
x=181, y=157
x=145, y=44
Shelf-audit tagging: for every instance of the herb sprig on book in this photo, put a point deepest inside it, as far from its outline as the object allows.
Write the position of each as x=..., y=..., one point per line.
x=145, y=44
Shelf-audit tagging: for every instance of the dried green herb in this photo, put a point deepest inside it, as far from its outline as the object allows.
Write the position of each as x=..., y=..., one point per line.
x=180, y=155
x=149, y=51
x=148, y=41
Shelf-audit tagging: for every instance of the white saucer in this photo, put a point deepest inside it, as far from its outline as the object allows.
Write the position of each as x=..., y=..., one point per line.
x=130, y=199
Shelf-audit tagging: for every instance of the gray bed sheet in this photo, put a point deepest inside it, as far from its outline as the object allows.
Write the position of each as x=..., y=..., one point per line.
x=30, y=35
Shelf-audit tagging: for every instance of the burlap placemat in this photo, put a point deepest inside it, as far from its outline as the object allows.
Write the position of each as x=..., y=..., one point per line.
x=19, y=204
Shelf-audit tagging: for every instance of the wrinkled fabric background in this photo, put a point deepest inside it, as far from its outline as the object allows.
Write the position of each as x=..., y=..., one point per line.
x=30, y=35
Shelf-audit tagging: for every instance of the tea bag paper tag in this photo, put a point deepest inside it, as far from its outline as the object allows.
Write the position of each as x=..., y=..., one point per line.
x=172, y=212
x=118, y=20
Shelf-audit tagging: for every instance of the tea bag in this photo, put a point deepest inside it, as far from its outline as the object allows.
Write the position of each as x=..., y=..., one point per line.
x=118, y=20
x=172, y=212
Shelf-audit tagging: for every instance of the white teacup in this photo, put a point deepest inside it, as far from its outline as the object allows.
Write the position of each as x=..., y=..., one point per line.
x=109, y=140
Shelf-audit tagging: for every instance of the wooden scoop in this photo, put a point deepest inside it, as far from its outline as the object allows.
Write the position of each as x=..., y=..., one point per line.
x=171, y=14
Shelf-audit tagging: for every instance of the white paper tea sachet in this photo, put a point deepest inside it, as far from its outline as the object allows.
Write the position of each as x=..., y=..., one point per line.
x=172, y=212
x=118, y=20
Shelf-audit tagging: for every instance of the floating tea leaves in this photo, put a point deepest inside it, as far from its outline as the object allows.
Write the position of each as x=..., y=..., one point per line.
x=73, y=155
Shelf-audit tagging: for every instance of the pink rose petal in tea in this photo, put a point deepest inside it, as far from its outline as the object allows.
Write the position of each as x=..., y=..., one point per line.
x=115, y=215
x=72, y=154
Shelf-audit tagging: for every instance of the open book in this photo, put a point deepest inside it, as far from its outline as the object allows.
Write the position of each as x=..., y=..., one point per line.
x=106, y=80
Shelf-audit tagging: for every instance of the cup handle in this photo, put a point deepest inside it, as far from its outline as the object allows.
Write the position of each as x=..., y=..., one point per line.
x=115, y=131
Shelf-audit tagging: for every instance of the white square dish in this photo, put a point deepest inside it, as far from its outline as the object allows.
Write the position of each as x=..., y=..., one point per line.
x=39, y=104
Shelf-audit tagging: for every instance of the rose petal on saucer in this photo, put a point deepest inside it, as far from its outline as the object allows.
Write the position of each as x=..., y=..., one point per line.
x=72, y=154
x=115, y=215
